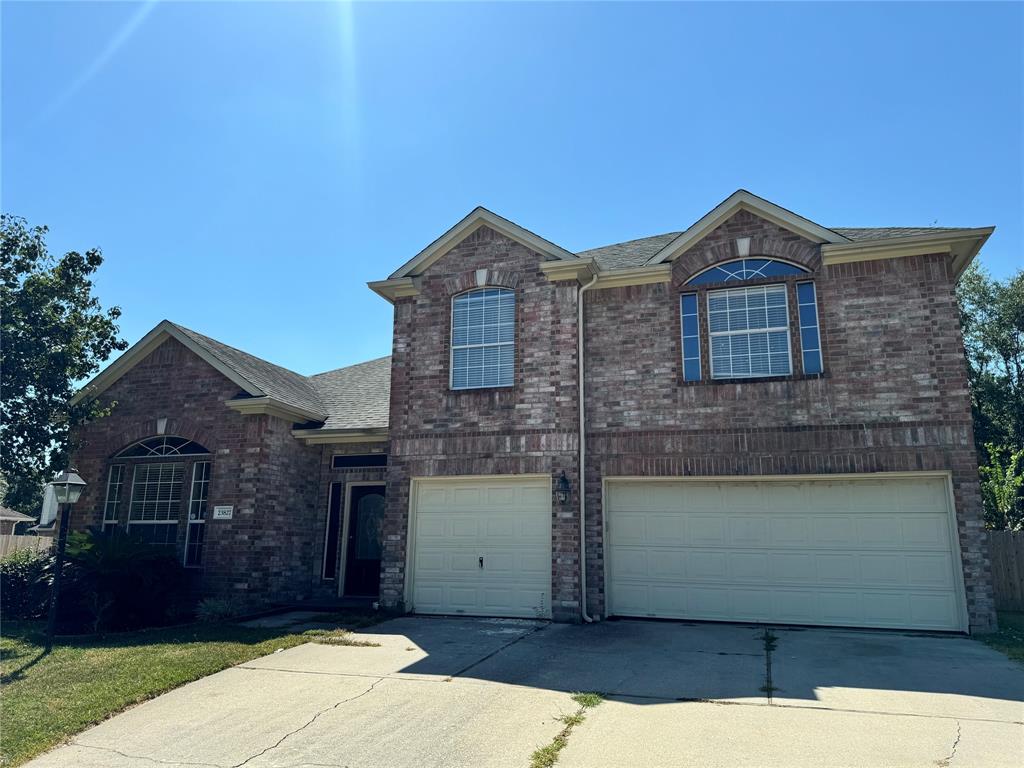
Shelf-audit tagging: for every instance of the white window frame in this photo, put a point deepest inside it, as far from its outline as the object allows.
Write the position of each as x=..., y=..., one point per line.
x=131, y=502
x=452, y=346
x=189, y=521
x=774, y=329
x=112, y=522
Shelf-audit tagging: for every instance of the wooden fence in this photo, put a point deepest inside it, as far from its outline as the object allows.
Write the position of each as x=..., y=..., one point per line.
x=9, y=543
x=1007, y=552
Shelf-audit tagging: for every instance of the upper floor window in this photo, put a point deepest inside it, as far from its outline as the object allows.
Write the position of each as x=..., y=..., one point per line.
x=745, y=269
x=749, y=332
x=483, y=338
x=167, y=445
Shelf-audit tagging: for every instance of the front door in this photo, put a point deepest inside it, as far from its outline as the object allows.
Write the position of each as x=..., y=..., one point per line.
x=363, y=548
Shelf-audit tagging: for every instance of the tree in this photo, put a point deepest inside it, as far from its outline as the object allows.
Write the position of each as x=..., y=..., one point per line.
x=1002, y=483
x=54, y=333
x=992, y=318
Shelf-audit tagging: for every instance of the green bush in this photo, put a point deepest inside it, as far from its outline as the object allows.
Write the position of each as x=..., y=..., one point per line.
x=214, y=609
x=117, y=582
x=25, y=584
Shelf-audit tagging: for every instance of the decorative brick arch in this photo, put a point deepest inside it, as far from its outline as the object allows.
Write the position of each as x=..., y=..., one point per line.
x=767, y=240
x=179, y=427
x=480, y=278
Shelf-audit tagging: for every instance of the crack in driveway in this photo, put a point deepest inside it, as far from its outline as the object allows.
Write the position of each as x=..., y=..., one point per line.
x=956, y=742
x=308, y=723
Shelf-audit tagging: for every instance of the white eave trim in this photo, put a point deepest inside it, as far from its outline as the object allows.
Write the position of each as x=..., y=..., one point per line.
x=273, y=407
x=138, y=351
x=477, y=218
x=618, y=278
x=325, y=436
x=741, y=200
x=394, y=288
x=962, y=245
x=580, y=270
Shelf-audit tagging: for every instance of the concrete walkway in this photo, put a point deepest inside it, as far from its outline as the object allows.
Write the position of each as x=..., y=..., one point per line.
x=487, y=692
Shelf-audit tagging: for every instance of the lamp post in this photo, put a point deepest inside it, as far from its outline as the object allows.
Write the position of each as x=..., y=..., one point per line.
x=67, y=488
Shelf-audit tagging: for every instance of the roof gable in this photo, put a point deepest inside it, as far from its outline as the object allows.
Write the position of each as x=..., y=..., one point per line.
x=477, y=218
x=741, y=200
x=254, y=376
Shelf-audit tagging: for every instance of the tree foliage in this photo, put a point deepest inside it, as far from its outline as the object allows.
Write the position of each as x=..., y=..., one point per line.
x=992, y=318
x=54, y=333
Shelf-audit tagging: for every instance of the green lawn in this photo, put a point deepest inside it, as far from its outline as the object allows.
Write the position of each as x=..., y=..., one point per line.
x=1010, y=637
x=47, y=699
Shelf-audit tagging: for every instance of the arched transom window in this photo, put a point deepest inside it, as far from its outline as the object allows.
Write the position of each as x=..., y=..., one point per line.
x=748, y=330
x=166, y=445
x=483, y=338
x=745, y=269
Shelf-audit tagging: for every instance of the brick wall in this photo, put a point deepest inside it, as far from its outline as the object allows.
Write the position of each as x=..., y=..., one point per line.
x=527, y=428
x=893, y=396
x=260, y=555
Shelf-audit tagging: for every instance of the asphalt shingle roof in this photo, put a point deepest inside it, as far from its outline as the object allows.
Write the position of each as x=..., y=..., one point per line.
x=884, y=233
x=357, y=396
x=636, y=253
x=632, y=253
x=273, y=380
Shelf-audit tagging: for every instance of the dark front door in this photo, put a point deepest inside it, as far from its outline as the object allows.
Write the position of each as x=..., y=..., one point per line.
x=362, y=554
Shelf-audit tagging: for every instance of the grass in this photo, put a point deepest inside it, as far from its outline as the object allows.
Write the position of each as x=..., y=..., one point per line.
x=1010, y=637
x=47, y=699
x=547, y=756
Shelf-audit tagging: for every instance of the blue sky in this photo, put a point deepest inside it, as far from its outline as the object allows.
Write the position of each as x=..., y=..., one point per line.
x=247, y=167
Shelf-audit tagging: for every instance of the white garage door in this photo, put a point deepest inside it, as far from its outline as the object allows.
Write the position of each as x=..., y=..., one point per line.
x=851, y=552
x=482, y=546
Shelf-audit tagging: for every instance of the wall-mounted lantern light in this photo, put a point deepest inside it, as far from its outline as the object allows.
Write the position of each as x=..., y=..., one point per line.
x=563, y=488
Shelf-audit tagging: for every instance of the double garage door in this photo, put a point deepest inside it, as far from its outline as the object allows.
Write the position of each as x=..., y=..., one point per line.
x=482, y=546
x=852, y=552
x=870, y=552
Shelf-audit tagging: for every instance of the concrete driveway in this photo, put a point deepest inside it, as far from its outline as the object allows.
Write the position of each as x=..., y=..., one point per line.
x=487, y=692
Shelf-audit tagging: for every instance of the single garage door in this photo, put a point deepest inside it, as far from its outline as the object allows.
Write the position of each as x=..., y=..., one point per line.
x=482, y=546
x=852, y=552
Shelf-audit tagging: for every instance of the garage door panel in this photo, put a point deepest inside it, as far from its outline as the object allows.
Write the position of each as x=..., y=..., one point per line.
x=748, y=531
x=930, y=571
x=706, y=530
x=832, y=530
x=506, y=521
x=849, y=552
x=789, y=530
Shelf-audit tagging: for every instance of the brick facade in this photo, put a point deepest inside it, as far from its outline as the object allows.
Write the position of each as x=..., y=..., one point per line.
x=893, y=398
x=530, y=427
x=262, y=554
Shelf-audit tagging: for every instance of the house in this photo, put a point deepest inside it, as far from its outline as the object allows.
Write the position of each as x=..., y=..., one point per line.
x=775, y=427
x=12, y=522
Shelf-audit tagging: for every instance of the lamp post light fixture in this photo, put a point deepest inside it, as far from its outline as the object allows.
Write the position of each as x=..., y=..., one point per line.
x=67, y=489
x=563, y=488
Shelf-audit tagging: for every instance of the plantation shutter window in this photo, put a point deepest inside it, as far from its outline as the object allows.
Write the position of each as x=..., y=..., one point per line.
x=483, y=339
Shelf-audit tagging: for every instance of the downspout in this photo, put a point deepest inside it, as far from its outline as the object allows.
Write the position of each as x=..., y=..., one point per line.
x=583, y=455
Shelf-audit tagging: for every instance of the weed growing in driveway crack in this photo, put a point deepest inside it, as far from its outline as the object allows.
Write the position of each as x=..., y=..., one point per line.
x=545, y=757
x=770, y=641
x=338, y=637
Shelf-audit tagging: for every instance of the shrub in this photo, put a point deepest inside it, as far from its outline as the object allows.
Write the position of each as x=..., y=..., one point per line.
x=216, y=609
x=25, y=584
x=118, y=582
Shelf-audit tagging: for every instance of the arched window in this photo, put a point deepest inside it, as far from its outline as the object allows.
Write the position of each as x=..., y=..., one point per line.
x=159, y=482
x=745, y=269
x=483, y=338
x=167, y=445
